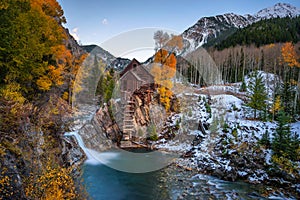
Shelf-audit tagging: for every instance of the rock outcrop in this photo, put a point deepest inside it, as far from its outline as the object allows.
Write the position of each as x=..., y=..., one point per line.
x=104, y=131
x=12, y=169
x=72, y=154
x=101, y=133
x=148, y=111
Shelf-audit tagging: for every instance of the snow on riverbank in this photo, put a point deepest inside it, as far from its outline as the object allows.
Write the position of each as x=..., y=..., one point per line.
x=228, y=145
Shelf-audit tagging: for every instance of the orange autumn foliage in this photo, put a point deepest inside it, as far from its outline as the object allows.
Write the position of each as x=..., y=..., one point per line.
x=66, y=65
x=164, y=70
x=175, y=43
x=289, y=55
x=165, y=58
x=50, y=8
x=54, y=75
x=53, y=78
x=167, y=64
x=61, y=54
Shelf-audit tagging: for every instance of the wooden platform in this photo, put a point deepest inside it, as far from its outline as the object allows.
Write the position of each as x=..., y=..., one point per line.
x=130, y=144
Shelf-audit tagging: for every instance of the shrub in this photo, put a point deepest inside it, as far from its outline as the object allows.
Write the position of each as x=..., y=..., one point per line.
x=153, y=137
x=152, y=132
x=265, y=140
x=225, y=128
x=54, y=183
x=208, y=108
x=284, y=164
x=243, y=87
x=234, y=133
x=177, y=125
x=234, y=108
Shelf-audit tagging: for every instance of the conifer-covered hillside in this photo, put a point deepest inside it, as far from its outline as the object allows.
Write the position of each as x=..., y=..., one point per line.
x=264, y=32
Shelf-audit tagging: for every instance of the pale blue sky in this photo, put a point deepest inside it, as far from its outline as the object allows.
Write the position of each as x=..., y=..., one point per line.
x=95, y=21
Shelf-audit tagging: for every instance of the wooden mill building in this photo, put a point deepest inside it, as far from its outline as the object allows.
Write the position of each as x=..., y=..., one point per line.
x=132, y=78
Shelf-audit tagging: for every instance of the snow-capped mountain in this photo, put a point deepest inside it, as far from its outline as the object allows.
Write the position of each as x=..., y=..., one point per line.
x=278, y=10
x=208, y=28
x=211, y=27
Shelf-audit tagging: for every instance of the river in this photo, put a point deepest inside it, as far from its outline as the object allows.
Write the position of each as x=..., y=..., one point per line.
x=103, y=182
x=106, y=183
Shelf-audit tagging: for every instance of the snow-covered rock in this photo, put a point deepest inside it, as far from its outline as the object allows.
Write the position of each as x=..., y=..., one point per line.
x=278, y=10
x=230, y=147
x=211, y=27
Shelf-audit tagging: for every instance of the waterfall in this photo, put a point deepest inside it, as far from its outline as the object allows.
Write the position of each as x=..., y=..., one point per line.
x=93, y=157
x=78, y=138
x=90, y=157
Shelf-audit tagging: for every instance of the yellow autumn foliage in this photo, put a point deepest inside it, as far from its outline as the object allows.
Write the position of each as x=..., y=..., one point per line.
x=44, y=83
x=11, y=92
x=285, y=164
x=54, y=183
x=5, y=185
x=55, y=75
x=276, y=106
x=175, y=43
x=65, y=96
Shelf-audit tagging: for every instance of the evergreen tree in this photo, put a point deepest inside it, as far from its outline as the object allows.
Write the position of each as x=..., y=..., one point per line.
x=287, y=96
x=283, y=144
x=265, y=139
x=264, y=32
x=110, y=85
x=243, y=87
x=258, y=94
x=106, y=86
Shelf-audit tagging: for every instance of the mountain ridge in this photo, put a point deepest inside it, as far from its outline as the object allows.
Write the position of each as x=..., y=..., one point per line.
x=106, y=57
x=208, y=28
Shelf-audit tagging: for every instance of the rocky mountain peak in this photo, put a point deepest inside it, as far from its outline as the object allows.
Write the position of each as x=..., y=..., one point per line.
x=278, y=10
x=209, y=28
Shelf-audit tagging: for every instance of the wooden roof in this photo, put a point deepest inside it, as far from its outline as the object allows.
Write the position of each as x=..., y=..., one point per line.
x=134, y=63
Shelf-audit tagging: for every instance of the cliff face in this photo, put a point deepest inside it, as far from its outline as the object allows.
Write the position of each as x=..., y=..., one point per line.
x=73, y=45
x=11, y=170
x=72, y=154
x=101, y=131
x=39, y=144
x=38, y=137
x=16, y=167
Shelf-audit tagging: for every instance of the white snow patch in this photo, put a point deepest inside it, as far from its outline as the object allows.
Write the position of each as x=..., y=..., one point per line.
x=175, y=146
x=268, y=156
x=295, y=127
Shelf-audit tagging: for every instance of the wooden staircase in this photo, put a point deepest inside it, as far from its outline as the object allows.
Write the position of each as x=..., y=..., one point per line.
x=128, y=126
